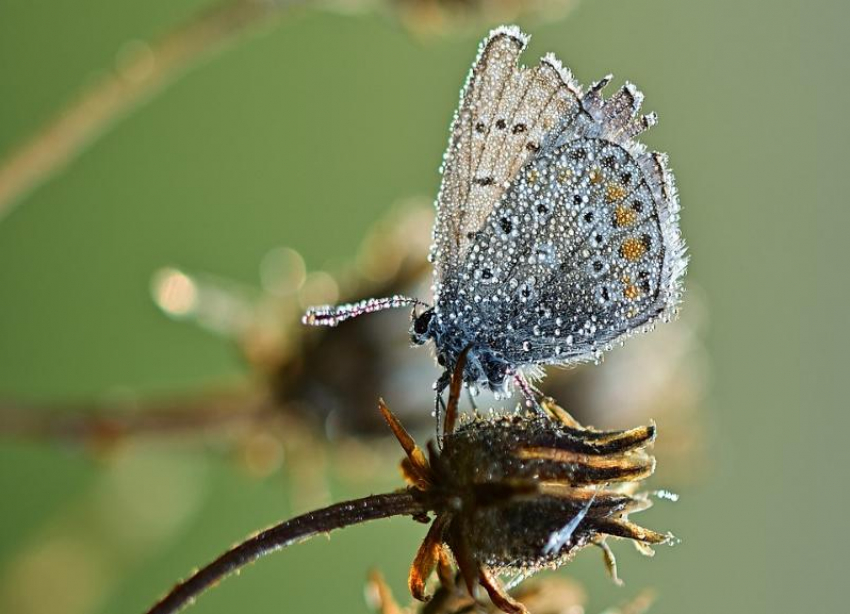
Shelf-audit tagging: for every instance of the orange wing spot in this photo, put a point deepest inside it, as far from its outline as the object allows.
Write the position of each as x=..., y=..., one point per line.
x=633, y=249
x=631, y=292
x=595, y=176
x=564, y=175
x=533, y=175
x=624, y=216
x=614, y=192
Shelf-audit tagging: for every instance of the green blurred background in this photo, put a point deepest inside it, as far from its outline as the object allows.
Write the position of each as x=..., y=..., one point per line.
x=302, y=134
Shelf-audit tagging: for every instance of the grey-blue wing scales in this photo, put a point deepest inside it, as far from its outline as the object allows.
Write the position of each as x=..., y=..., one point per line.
x=583, y=248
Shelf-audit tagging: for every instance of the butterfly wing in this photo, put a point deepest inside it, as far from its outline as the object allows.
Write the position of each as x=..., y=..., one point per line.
x=505, y=110
x=583, y=249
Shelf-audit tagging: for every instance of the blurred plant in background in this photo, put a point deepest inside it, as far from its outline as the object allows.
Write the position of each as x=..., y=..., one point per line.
x=435, y=17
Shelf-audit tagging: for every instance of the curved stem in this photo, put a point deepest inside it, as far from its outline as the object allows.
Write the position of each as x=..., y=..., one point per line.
x=285, y=534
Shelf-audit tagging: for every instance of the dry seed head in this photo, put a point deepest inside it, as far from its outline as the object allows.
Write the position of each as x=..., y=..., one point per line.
x=519, y=493
x=525, y=478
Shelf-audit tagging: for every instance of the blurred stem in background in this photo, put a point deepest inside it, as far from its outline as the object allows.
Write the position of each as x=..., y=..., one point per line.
x=140, y=73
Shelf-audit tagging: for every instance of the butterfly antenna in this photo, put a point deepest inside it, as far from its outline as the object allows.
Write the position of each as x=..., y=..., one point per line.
x=332, y=315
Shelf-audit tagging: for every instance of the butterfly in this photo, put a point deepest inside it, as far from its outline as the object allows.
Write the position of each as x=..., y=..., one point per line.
x=556, y=232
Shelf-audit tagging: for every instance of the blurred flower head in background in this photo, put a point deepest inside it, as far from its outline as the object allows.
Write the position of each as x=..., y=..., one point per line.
x=427, y=18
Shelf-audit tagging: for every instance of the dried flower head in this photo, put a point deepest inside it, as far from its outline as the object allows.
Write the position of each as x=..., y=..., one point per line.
x=512, y=493
x=521, y=493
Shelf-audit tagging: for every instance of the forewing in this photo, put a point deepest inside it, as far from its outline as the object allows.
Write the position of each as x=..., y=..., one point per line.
x=584, y=248
x=504, y=113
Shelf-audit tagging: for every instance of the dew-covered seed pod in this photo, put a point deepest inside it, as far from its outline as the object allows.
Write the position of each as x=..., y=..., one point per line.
x=522, y=492
x=522, y=479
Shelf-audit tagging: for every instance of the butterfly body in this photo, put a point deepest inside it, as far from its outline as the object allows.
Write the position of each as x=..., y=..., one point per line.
x=484, y=368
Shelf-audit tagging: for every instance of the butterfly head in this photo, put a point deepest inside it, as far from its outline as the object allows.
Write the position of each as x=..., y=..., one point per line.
x=421, y=326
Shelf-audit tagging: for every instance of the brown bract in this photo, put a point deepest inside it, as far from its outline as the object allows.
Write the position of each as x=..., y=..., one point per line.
x=550, y=595
x=521, y=493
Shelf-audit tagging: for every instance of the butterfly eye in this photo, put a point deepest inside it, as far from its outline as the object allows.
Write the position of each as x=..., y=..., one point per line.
x=421, y=324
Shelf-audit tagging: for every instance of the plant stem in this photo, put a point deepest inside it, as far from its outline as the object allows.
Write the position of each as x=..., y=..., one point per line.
x=285, y=534
x=104, y=422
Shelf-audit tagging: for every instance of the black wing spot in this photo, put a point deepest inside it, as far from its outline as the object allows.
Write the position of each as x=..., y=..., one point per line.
x=484, y=180
x=500, y=124
x=518, y=128
x=480, y=127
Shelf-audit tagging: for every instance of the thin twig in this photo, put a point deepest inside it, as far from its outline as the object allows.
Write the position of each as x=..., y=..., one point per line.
x=102, y=422
x=117, y=93
x=285, y=534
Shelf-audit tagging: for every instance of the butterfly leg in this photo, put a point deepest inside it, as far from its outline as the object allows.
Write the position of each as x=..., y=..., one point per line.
x=439, y=404
x=472, y=402
x=532, y=395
